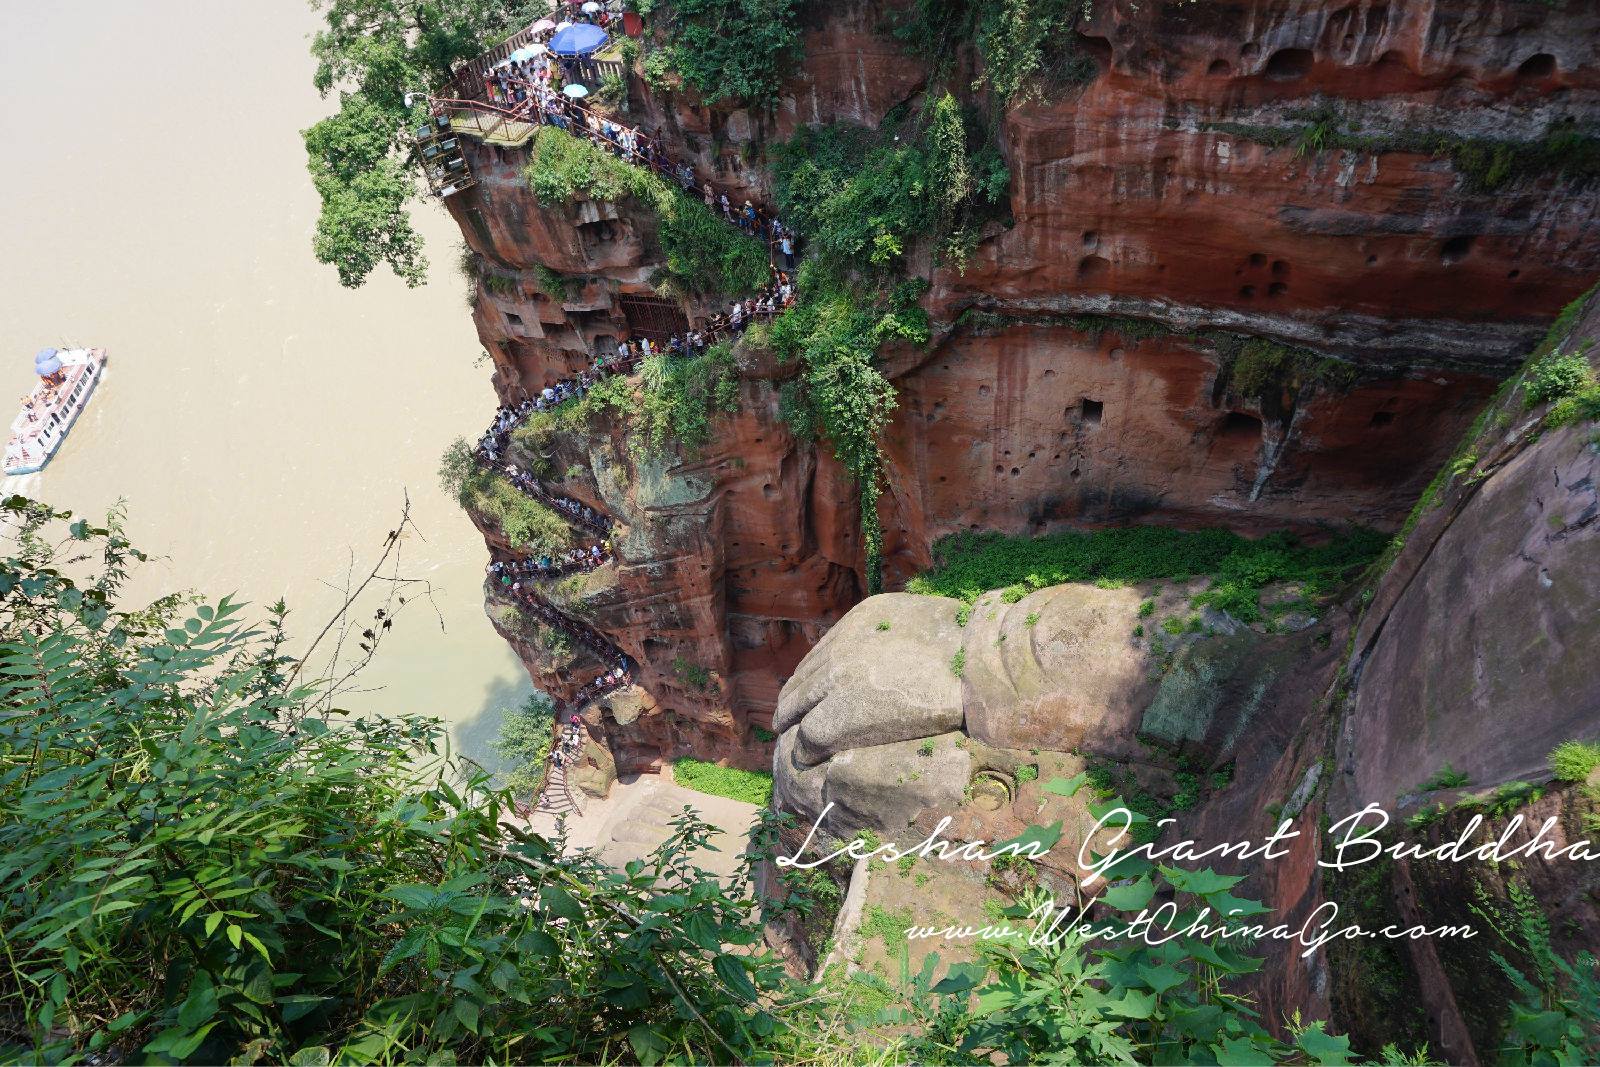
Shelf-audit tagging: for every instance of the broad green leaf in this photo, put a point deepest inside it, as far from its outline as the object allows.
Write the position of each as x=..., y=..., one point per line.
x=1131, y=897
x=1066, y=787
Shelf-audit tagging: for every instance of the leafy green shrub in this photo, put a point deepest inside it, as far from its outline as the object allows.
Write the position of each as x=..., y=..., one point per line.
x=883, y=624
x=1555, y=377
x=1027, y=772
x=1147, y=609
x=703, y=254
x=202, y=863
x=1584, y=405
x=1555, y=1013
x=863, y=197
x=926, y=748
x=1032, y=619
x=613, y=87
x=690, y=674
x=1172, y=625
x=1446, y=777
x=680, y=396
x=1573, y=761
x=732, y=49
x=751, y=787
x=1028, y=47
x=958, y=662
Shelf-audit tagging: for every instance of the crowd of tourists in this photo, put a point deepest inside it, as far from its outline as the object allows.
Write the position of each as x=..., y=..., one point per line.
x=546, y=565
x=568, y=743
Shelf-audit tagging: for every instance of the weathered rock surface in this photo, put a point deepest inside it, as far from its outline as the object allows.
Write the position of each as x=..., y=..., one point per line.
x=1141, y=198
x=1484, y=652
x=873, y=679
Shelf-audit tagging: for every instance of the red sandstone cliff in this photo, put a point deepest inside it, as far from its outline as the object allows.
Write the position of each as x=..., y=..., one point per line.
x=1135, y=198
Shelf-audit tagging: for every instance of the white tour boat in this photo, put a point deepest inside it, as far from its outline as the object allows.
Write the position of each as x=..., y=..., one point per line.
x=67, y=377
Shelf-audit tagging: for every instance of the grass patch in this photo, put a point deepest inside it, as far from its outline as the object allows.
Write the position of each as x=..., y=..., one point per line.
x=751, y=787
x=967, y=565
x=887, y=926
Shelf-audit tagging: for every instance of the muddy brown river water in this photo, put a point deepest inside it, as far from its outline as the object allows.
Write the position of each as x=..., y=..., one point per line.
x=260, y=421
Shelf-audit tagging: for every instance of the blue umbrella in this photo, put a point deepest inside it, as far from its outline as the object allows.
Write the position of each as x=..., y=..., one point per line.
x=576, y=91
x=521, y=55
x=47, y=367
x=578, y=40
x=42, y=355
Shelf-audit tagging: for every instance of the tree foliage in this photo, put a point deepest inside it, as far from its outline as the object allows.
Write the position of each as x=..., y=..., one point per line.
x=1027, y=47
x=372, y=53
x=732, y=49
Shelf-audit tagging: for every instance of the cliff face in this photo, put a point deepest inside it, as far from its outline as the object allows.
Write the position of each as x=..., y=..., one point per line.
x=1083, y=366
x=1474, y=652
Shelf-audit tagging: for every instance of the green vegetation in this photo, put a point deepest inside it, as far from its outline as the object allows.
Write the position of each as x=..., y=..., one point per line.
x=524, y=742
x=1485, y=164
x=1555, y=377
x=1574, y=761
x=728, y=49
x=887, y=926
x=1566, y=381
x=1260, y=368
x=1031, y=620
x=372, y=52
x=966, y=565
x=680, y=395
x=863, y=199
x=1147, y=609
x=1028, y=47
x=883, y=625
x=203, y=862
x=1554, y=1014
x=703, y=254
x=690, y=674
x=526, y=523
x=926, y=748
x=751, y=787
x=1027, y=772
x=958, y=662
x=1446, y=777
